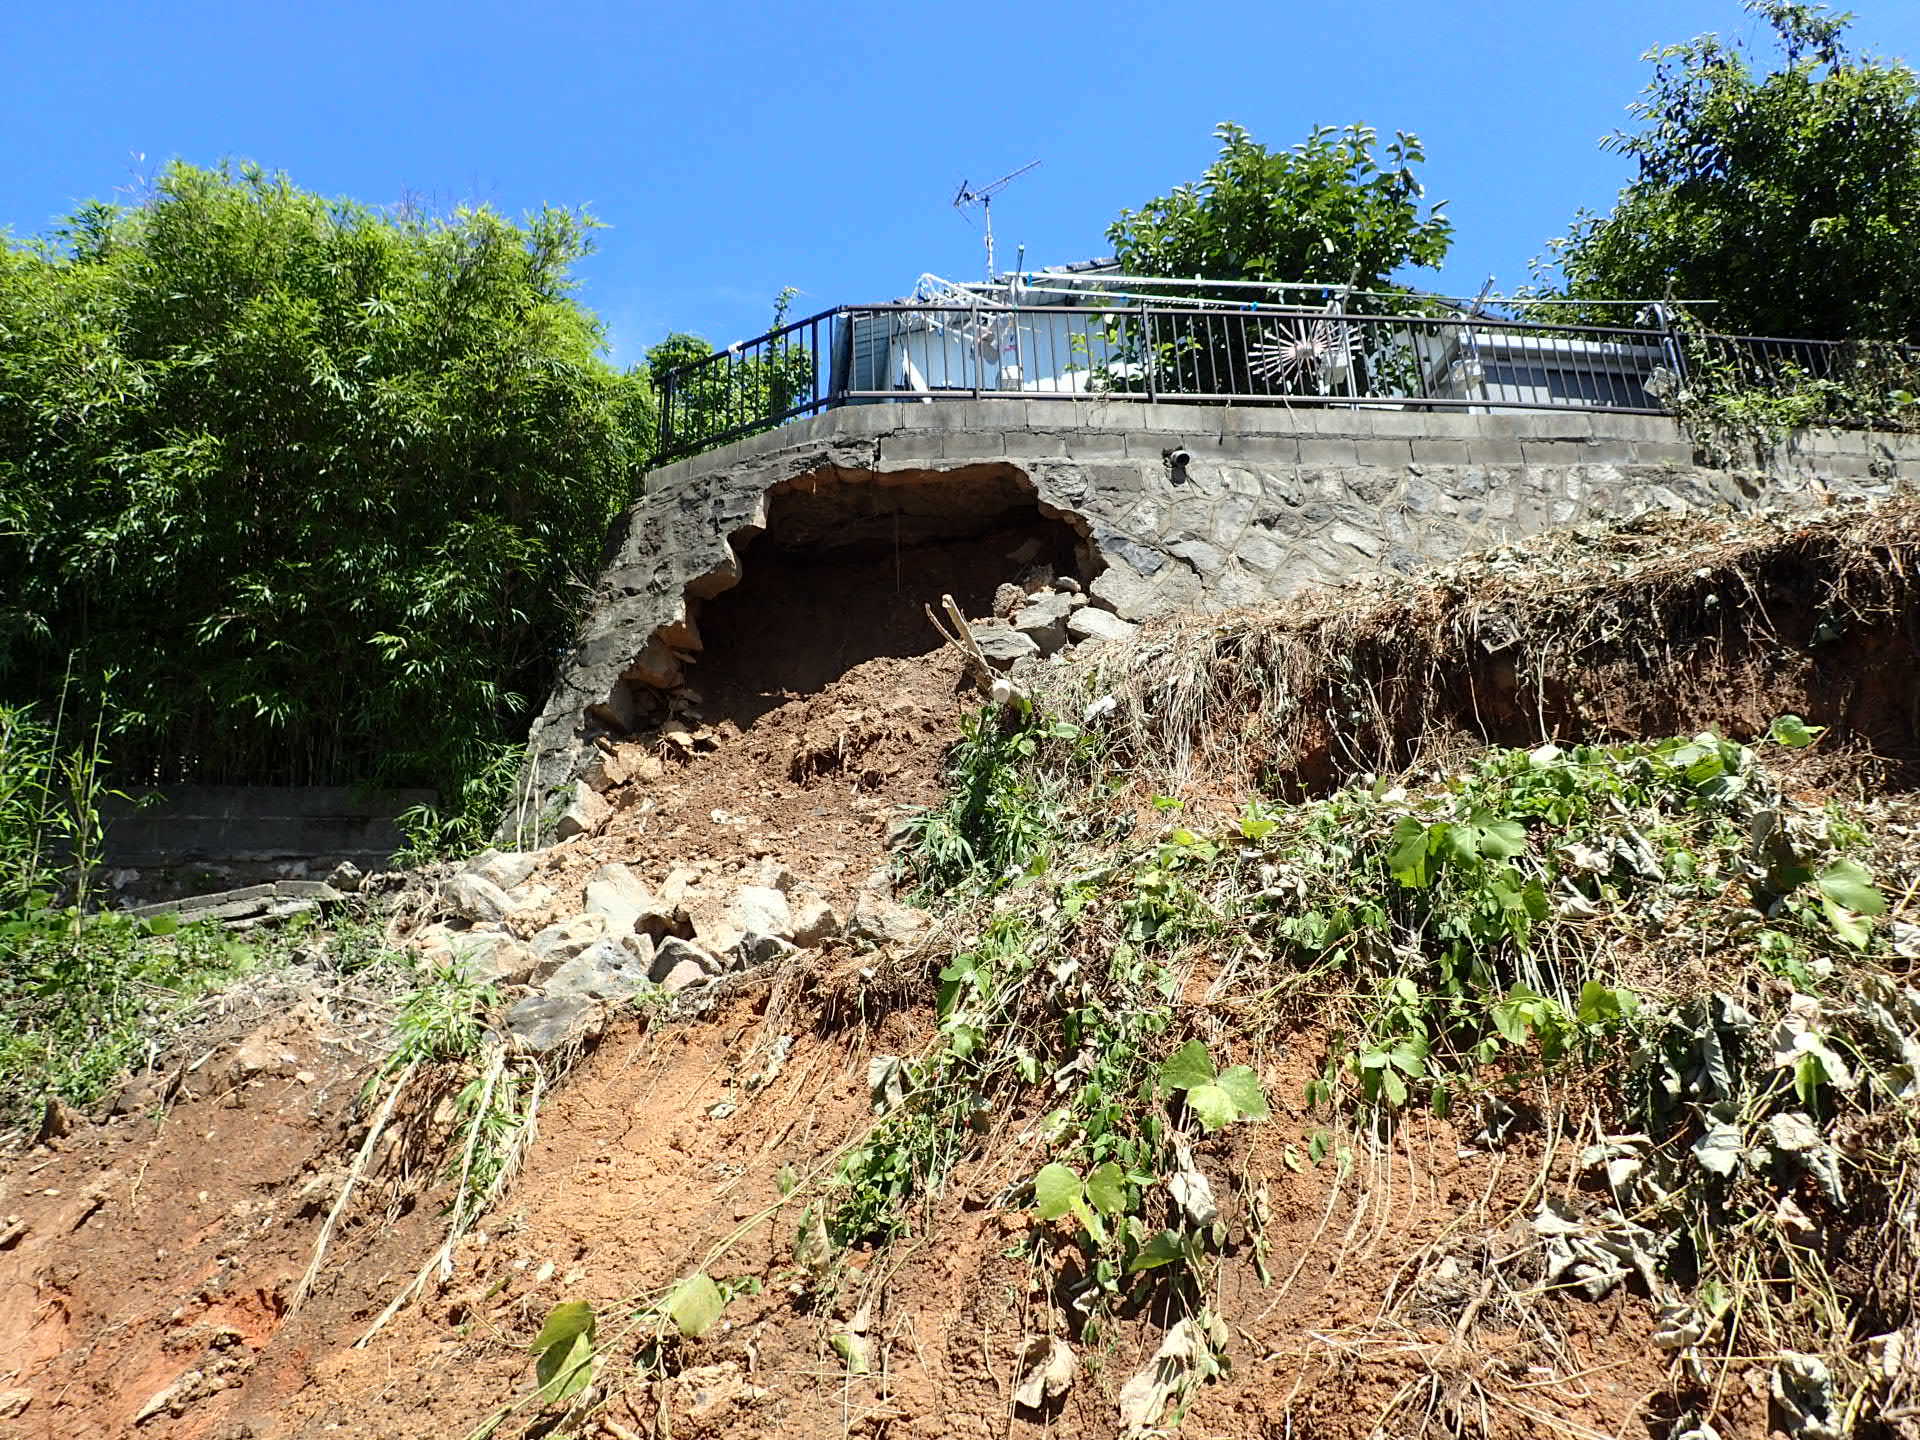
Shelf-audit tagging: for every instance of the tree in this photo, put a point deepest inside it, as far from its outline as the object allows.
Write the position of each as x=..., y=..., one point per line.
x=1790, y=199
x=301, y=491
x=1326, y=211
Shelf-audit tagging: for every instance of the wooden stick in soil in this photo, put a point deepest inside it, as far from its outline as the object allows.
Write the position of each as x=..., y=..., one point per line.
x=1003, y=690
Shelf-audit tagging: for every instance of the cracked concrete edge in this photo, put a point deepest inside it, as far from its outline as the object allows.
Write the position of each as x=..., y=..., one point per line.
x=1248, y=520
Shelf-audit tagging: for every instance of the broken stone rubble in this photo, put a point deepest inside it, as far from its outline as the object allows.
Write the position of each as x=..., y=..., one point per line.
x=631, y=937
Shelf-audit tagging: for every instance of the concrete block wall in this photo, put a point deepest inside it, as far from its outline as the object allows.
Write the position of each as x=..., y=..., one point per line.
x=186, y=839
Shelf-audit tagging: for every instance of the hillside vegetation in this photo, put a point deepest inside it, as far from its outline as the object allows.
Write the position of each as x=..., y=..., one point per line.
x=297, y=491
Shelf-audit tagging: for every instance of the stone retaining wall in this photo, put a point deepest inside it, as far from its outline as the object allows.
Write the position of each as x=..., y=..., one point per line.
x=1182, y=507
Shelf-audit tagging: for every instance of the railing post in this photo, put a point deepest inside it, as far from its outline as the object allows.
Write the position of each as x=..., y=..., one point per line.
x=1676, y=345
x=663, y=441
x=1152, y=356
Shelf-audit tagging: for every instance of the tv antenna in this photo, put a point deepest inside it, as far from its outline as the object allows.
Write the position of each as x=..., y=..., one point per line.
x=966, y=197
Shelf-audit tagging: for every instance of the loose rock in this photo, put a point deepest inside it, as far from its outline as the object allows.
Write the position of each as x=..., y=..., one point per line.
x=586, y=815
x=756, y=950
x=1092, y=623
x=629, y=907
x=474, y=897
x=683, y=976
x=886, y=922
x=614, y=969
x=508, y=869
x=761, y=910
x=674, y=951
x=542, y=1023
x=814, y=922
x=1002, y=645
x=560, y=942
x=1044, y=621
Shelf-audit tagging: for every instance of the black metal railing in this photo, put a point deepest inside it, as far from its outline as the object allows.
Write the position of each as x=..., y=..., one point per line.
x=1201, y=354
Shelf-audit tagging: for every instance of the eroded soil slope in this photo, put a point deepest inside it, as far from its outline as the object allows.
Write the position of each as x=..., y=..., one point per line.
x=148, y=1262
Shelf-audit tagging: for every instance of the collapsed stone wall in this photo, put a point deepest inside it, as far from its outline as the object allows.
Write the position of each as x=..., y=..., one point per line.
x=1168, y=508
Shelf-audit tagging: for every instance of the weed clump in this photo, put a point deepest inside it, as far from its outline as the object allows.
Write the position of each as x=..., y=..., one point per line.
x=1692, y=987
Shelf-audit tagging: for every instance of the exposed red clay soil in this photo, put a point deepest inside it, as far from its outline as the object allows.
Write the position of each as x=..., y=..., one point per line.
x=147, y=1264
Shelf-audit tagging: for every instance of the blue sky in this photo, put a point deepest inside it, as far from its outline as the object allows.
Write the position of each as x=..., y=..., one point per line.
x=735, y=148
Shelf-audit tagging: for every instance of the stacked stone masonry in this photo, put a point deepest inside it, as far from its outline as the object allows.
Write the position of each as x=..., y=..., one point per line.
x=1181, y=507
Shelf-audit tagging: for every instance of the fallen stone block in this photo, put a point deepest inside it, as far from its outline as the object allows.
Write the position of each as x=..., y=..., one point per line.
x=560, y=942
x=756, y=950
x=683, y=976
x=493, y=958
x=761, y=910
x=508, y=869
x=1001, y=645
x=586, y=815
x=674, y=951
x=1089, y=623
x=886, y=922
x=614, y=969
x=474, y=897
x=1044, y=621
x=629, y=907
x=543, y=1023
x=814, y=923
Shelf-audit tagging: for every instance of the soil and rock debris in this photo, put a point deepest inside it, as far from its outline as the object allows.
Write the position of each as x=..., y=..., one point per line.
x=716, y=962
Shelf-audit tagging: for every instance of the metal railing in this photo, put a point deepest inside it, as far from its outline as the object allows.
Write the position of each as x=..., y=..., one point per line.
x=1204, y=354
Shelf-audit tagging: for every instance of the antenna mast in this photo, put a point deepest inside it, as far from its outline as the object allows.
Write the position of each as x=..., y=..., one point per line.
x=967, y=196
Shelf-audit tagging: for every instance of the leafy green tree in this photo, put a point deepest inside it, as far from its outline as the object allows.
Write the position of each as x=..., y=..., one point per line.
x=735, y=394
x=1326, y=211
x=303, y=491
x=1789, y=198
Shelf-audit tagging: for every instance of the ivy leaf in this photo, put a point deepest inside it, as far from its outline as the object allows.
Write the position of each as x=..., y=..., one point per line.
x=696, y=1304
x=1055, y=1189
x=1845, y=883
x=1212, y=1106
x=1187, y=1067
x=1392, y=1085
x=1410, y=1055
x=1600, y=1005
x=1163, y=1249
x=1510, y=1020
x=1719, y=1149
x=565, y=1350
x=1847, y=925
x=1243, y=1087
x=1412, y=850
x=1107, y=1188
x=1495, y=838
x=1090, y=1221
x=1793, y=732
